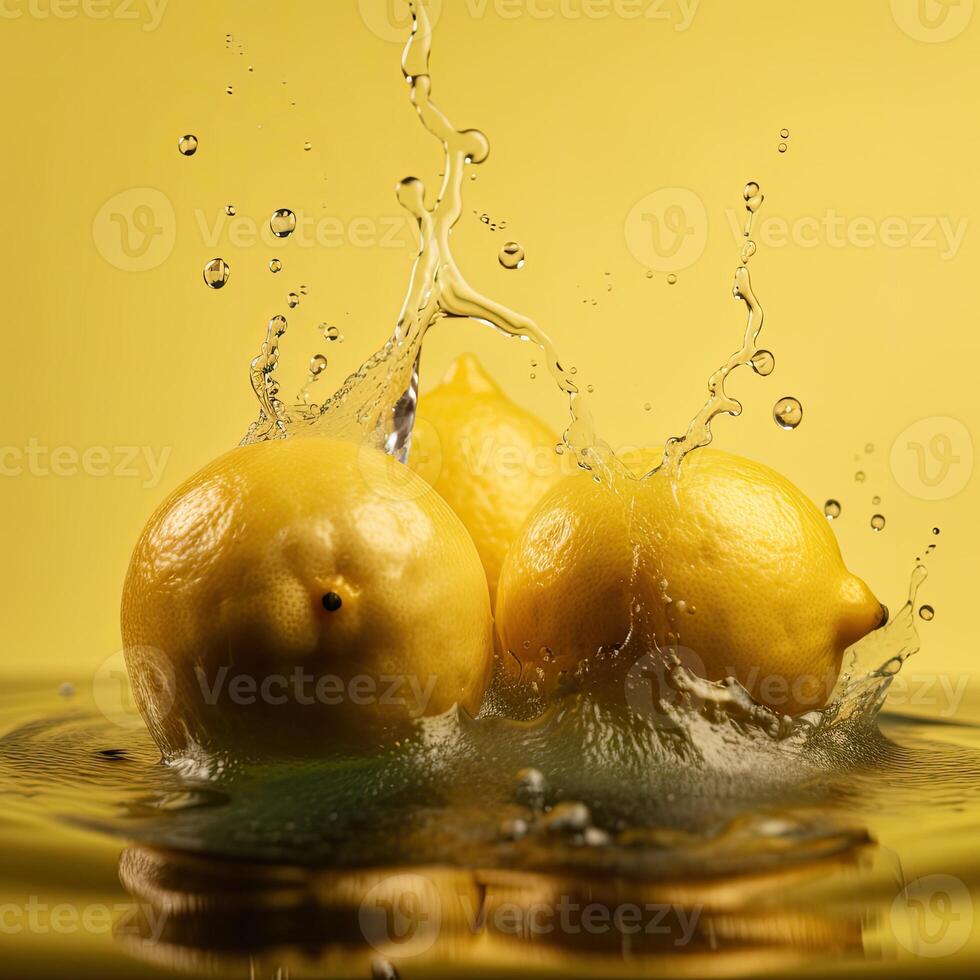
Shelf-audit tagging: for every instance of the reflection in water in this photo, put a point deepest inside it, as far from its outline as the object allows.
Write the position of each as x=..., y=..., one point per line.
x=225, y=916
x=516, y=849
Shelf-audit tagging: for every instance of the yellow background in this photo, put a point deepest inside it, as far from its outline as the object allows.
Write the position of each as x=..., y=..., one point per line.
x=587, y=111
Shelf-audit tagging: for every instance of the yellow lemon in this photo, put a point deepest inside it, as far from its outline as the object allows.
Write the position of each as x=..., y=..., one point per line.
x=299, y=593
x=489, y=459
x=733, y=565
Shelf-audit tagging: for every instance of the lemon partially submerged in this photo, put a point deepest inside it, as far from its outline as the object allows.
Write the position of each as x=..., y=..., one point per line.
x=297, y=594
x=734, y=565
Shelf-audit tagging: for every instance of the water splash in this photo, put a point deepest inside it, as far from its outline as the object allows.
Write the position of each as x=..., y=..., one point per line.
x=376, y=404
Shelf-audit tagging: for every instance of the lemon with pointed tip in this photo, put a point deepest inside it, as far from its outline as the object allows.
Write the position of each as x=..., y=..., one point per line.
x=489, y=458
x=294, y=595
x=733, y=564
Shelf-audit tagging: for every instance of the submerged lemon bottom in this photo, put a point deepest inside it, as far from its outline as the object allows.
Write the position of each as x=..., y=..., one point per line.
x=848, y=852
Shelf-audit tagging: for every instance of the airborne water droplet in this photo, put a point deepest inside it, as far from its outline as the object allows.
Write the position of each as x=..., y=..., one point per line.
x=782, y=147
x=787, y=412
x=832, y=510
x=763, y=362
x=318, y=363
x=860, y=476
x=784, y=133
x=293, y=300
x=282, y=223
x=187, y=145
x=878, y=522
x=671, y=279
x=926, y=612
x=230, y=210
x=330, y=333
x=307, y=146
x=216, y=273
x=275, y=265
x=511, y=256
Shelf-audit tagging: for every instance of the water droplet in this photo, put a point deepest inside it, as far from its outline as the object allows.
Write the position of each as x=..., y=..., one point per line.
x=763, y=362
x=318, y=364
x=782, y=147
x=275, y=265
x=293, y=300
x=649, y=273
x=230, y=90
x=230, y=210
x=216, y=273
x=304, y=289
x=647, y=407
x=753, y=197
x=787, y=412
x=187, y=145
x=531, y=787
x=878, y=522
x=511, y=256
x=869, y=448
x=307, y=146
x=330, y=332
x=748, y=250
x=876, y=501
x=671, y=279
x=926, y=612
x=67, y=689
x=832, y=510
x=282, y=223
x=860, y=476
x=935, y=530
x=784, y=133
x=546, y=655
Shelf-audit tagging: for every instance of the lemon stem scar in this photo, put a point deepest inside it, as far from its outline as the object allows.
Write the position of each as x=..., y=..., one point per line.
x=332, y=602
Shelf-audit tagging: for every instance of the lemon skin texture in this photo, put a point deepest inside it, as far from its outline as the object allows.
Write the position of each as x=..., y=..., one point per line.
x=300, y=595
x=489, y=458
x=733, y=565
